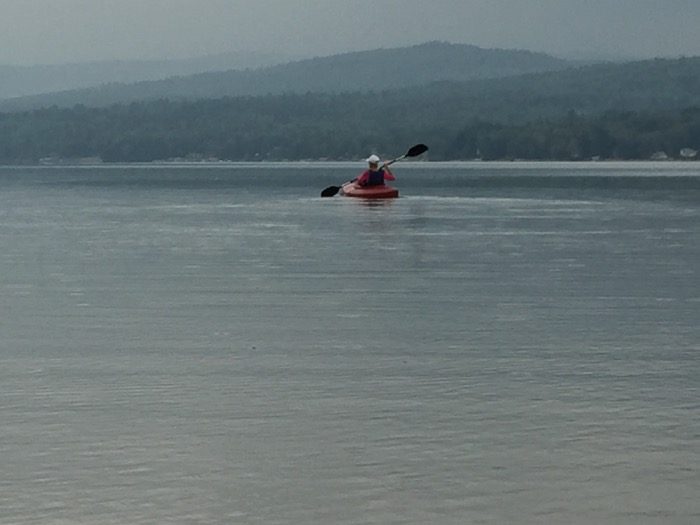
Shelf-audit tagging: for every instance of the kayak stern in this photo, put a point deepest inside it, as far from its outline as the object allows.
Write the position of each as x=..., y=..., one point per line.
x=382, y=191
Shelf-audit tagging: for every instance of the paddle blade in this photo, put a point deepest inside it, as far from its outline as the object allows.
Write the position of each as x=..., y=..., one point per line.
x=416, y=150
x=330, y=191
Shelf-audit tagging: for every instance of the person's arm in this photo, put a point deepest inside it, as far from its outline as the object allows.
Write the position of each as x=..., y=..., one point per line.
x=387, y=174
x=362, y=179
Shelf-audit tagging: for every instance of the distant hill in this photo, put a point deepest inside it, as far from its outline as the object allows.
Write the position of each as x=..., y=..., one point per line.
x=19, y=81
x=359, y=71
x=648, y=85
x=632, y=110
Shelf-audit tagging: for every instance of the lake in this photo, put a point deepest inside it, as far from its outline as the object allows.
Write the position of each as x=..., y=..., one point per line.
x=505, y=343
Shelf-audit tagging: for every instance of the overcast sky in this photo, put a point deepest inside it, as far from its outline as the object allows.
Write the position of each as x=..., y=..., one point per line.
x=60, y=31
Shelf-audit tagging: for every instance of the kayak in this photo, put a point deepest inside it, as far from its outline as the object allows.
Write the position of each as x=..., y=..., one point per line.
x=382, y=191
x=351, y=189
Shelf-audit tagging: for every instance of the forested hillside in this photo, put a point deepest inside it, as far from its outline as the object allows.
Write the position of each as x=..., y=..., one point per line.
x=360, y=71
x=326, y=127
x=623, y=111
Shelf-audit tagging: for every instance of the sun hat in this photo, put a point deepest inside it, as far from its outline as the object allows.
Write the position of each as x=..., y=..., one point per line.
x=373, y=159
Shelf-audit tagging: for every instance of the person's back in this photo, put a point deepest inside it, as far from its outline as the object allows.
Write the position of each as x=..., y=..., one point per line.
x=372, y=178
x=375, y=175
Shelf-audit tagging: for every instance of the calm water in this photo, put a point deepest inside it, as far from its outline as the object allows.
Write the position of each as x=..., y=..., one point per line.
x=515, y=343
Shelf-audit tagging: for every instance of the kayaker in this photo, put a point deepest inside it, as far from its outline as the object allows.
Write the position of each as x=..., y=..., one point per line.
x=375, y=176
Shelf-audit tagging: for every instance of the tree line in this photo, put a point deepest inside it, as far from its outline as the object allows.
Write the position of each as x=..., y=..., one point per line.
x=338, y=127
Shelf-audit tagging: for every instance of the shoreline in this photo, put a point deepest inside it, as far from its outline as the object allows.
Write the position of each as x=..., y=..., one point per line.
x=482, y=164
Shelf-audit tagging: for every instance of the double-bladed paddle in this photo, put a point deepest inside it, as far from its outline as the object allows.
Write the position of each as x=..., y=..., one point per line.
x=414, y=151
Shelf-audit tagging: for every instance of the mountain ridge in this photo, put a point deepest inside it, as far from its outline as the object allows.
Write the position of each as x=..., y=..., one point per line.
x=354, y=71
x=619, y=111
x=22, y=80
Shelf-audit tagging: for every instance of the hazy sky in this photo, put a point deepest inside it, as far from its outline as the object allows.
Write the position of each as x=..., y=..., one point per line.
x=58, y=31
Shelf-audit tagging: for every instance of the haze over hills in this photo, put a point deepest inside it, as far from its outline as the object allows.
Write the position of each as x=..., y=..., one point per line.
x=620, y=111
x=465, y=101
x=358, y=71
x=19, y=81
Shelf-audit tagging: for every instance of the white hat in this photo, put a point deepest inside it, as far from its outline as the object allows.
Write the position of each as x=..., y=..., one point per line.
x=373, y=159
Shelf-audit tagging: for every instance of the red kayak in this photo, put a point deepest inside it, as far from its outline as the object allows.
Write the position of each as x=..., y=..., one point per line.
x=351, y=189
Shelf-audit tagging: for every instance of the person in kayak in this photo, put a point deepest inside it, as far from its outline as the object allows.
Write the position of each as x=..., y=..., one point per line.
x=374, y=176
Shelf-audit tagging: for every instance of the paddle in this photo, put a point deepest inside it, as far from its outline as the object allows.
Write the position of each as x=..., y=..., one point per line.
x=414, y=151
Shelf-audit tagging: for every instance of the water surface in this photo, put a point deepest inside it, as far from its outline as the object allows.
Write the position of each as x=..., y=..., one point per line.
x=505, y=343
